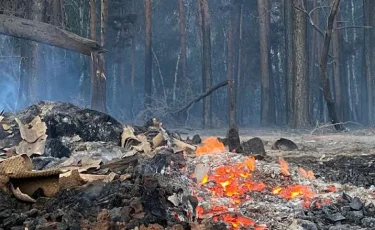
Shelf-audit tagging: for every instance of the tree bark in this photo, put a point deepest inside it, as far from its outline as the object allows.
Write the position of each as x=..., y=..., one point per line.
x=264, y=61
x=206, y=61
x=238, y=81
x=300, y=110
x=183, y=57
x=94, y=57
x=200, y=23
x=148, y=55
x=369, y=55
x=323, y=69
x=336, y=71
x=28, y=91
x=58, y=14
x=230, y=72
x=312, y=61
x=100, y=102
x=48, y=34
x=289, y=47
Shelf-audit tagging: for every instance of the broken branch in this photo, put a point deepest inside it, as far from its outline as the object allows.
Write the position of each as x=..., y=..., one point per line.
x=207, y=93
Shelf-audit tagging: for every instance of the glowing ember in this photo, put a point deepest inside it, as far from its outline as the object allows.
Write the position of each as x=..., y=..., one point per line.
x=238, y=221
x=232, y=180
x=319, y=204
x=213, y=211
x=306, y=174
x=332, y=188
x=210, y=145
x=277, y=190
x=284, y=167
x=260, y=227
x=293, y=191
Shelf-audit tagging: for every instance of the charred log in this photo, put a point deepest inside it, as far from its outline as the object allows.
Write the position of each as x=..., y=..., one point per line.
x=234, y=142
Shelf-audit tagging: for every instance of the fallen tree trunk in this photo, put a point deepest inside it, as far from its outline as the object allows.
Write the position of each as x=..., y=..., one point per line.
x=205, y=94
x=47, y=34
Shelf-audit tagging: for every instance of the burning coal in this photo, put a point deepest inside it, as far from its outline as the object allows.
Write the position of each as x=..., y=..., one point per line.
x=231, y=184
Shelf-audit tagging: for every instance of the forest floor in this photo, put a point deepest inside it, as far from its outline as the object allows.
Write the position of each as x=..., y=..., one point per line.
x=319, y=144
x=142, y=182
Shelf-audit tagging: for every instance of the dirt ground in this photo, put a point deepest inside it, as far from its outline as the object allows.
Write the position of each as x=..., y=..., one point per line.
x=322, y=143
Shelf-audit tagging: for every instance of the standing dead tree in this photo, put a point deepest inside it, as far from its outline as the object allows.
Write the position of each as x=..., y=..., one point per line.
x=183, y=55
x=206, y=59
x=264, y=60
x=148, y=55
x=289, y=52
x=369, y=53
x=328, y=36
x=230, y=73
x=323, y=69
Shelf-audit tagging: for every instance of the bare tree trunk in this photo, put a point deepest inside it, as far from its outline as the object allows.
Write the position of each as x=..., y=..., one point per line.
x=102, y=97
x=58, y=14
x=148, y=55
x=29, y=50
x=200, y=22
x=300, y=110
x=336, y=69
x=336, y=73
x=122, y=63
x=94, y=58
x=289, y=30
x=264, y=60
x=323, y=69
x=183, y=57
x=206, y=61
x=312, y=62
x=369, y=53
x=231, y=99
x=56, y=10
x=238, y=81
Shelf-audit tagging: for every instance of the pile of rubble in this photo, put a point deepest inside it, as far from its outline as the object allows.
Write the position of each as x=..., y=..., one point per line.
x=70, y=168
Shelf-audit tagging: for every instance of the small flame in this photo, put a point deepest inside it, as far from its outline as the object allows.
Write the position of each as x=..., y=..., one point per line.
x=210, y=145
x=250, y=163
x=204, y=179
x=306, y=174
x=284, y=167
